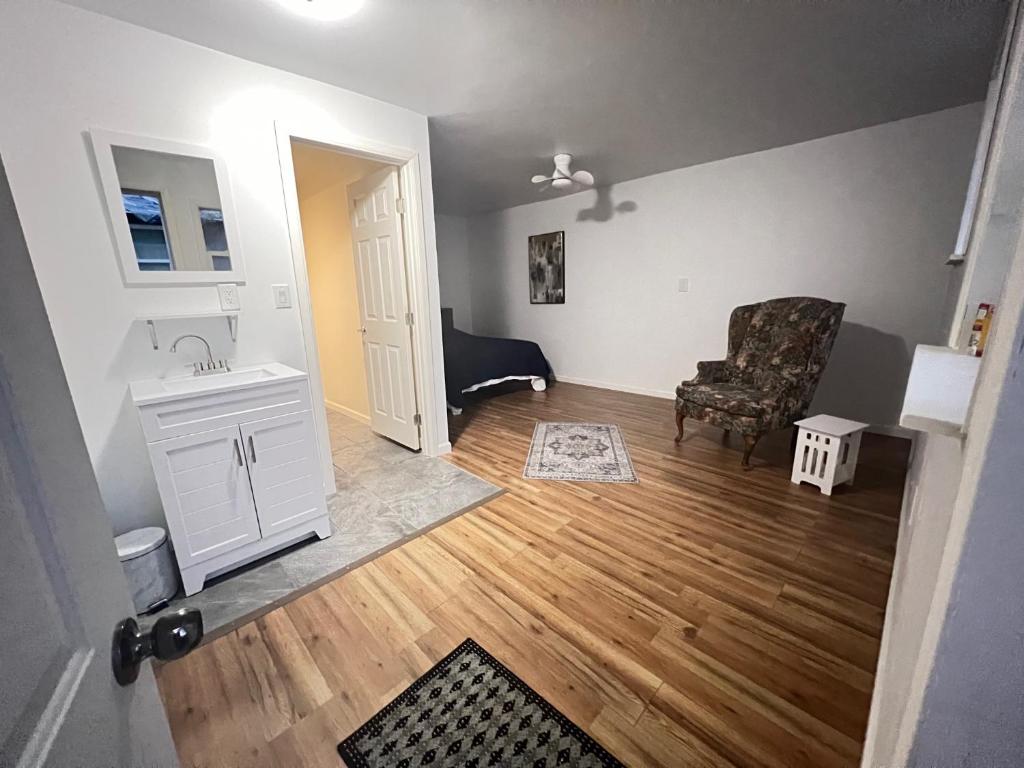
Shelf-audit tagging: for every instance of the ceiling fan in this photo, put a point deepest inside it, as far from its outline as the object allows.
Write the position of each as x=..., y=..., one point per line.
x=563, y=178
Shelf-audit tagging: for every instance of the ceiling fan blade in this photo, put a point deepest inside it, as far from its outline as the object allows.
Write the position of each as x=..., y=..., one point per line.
x=586, y=178
x=540, y=179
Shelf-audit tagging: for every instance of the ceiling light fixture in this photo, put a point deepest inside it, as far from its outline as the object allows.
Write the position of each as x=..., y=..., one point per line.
x=564, y=177
x=323, y=10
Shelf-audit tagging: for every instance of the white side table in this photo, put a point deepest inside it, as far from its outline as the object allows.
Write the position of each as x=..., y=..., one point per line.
x=826, y=451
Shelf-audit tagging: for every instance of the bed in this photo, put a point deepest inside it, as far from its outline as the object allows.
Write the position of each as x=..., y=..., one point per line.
x=474, y=362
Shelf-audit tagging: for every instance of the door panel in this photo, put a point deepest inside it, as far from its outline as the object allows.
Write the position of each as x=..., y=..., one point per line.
x=62, y=589
x=205, y=475
x=285, y=470
x=384, y=305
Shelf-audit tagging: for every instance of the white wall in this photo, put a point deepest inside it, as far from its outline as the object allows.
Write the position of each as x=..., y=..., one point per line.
x=866, y=217
x=62, y=71
x=454, y=269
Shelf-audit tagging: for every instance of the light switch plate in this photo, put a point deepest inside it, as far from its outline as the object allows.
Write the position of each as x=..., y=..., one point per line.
x=282, y=296
x=228, y=293
x=684, y=285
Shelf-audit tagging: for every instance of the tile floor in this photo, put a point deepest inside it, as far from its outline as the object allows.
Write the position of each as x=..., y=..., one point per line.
x=387, y=494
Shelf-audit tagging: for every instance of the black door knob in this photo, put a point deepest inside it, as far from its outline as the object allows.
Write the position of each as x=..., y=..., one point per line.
x=171, y=637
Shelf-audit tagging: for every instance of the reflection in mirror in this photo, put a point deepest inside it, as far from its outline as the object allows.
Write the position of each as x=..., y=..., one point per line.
x=174, y=211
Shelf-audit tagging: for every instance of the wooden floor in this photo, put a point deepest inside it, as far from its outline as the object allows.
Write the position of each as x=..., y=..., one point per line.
x=707, y=616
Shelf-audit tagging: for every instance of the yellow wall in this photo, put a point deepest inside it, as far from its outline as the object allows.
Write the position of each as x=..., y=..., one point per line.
x=322, y=176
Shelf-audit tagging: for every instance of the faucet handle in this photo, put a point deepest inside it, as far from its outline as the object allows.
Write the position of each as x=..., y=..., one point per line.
x=197, y=369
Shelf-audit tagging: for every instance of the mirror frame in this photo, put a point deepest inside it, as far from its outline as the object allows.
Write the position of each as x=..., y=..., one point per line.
x=103, y=142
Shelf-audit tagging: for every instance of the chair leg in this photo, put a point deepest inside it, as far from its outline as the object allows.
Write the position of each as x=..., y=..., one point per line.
x=749, y=441
x=679, y=426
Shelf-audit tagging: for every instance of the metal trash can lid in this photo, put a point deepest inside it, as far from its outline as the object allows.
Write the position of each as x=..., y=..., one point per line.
x=139, y=542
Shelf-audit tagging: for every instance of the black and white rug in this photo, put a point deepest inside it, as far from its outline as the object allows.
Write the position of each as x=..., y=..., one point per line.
x=470, y=711
x=594, y=453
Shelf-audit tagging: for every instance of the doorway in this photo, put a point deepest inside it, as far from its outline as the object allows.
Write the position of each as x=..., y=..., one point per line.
x=359, y=297
x=429, y=416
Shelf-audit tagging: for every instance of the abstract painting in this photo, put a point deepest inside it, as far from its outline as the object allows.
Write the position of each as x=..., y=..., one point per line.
x=547, y=268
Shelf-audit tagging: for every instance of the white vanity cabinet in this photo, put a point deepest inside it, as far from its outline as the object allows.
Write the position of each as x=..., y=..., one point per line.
x=236, y=465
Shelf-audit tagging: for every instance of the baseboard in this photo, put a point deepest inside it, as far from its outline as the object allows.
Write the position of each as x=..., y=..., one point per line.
x=617, y=387
x=892, y=430
x=362, y=418
x=442, y=448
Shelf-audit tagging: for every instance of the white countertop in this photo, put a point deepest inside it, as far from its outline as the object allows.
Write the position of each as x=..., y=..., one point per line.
x=939, y=390
x=150, y=391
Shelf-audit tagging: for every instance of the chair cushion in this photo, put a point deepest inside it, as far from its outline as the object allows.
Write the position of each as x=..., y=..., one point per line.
x=731, y=398
x=778, y=340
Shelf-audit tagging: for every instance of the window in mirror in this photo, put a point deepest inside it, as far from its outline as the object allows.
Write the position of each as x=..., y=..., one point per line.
x=171, y=212
x=146, y=219
x=188, y=206
x=215, y=237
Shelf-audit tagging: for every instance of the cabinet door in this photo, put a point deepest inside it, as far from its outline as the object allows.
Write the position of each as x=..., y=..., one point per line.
x=284, y=470
x=206, y=493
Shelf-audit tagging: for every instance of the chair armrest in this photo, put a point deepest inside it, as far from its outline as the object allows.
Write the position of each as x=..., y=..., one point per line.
x=709, y=372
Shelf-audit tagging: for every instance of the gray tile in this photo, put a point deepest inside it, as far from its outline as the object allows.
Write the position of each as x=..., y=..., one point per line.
x=376, y=454
x=410, y=479
x=338, y=439
x=357, y=433
x=426, y=510
x=239, y=593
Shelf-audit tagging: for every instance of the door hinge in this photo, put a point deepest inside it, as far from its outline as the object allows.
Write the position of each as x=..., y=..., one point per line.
x=417, y=419
x=408, y=318
x=400, y=204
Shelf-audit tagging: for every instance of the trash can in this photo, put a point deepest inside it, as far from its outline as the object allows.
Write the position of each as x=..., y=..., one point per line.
x=145, y=555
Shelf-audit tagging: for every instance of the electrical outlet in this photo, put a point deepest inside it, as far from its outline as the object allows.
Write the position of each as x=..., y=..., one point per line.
x=684, y=285
x=228, y=293
x=282, y=296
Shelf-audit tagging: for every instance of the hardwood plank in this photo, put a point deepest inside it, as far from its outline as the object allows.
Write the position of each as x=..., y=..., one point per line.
x=708, y=616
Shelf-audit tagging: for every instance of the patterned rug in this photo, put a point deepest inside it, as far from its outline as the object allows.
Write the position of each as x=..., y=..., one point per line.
x=594, y=453
x=470, y=711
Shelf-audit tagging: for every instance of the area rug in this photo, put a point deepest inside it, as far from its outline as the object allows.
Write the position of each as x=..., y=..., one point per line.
x=592, y=453
x=470, y=710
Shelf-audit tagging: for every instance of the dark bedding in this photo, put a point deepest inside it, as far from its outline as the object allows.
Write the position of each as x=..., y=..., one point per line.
x=470, y=359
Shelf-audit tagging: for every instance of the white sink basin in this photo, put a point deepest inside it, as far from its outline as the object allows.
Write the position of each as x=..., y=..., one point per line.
x=216, y=380
x=162, y=390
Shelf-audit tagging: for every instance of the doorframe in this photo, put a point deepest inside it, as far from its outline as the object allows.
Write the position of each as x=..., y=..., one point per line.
x=417, y=272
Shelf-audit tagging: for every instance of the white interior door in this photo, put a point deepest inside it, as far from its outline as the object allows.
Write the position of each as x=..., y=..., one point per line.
x=377, y=246
x=62, y=590
x=285, y=471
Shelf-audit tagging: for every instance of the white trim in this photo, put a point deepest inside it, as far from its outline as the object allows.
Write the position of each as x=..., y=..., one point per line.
x=423, y=330
x=1008, y=77
x=103, y=142
x=617, y=387
x=346, y=411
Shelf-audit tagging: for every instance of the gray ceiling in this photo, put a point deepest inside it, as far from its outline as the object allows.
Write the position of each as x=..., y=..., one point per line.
x=629, y=88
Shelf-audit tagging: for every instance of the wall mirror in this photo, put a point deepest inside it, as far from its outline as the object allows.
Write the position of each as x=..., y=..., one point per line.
x=170, y=211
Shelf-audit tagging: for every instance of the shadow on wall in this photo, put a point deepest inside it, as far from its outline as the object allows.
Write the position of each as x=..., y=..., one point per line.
x=603, y=208
x=866, y=376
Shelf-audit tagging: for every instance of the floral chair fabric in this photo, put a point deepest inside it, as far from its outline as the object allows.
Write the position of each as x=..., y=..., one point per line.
x=777, y=352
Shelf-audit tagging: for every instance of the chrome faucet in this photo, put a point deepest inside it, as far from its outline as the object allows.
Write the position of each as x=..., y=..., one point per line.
x=210, y=366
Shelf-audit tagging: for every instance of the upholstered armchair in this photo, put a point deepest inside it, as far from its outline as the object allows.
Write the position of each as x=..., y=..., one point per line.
x=777, y=352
